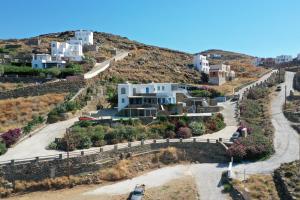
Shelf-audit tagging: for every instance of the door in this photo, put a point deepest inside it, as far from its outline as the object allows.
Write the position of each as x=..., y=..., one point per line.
x=147, y=90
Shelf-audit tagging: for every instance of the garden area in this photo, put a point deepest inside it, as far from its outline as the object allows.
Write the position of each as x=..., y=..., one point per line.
x=86, y=134
x=70, y=70
x=206, y=92
x=255, y=117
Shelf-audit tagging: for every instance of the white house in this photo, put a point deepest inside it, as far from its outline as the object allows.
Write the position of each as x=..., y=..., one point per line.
x=283, y=59
x=42, y=61
x=201, y=63
x=147, y=94
x=298, y=56
x=71, y=50
x=87, y=37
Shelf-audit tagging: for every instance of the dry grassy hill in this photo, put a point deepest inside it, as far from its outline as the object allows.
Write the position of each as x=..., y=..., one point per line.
x=146, y=63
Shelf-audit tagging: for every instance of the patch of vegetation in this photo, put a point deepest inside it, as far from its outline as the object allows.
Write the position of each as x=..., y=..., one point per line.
x=287, y=176
x=86, y=134
x=70, y=70
x=254, y=114
x=68, y=106
x=36, y=120
x=206, y=92
x=10, y=137
x=257, y=187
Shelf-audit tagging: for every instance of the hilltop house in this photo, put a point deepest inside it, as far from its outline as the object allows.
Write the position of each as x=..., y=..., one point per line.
x=71, y=50
x=201, y=63
x=219, y=74
x=42, y=61
x=85, y=36
x=283, y=59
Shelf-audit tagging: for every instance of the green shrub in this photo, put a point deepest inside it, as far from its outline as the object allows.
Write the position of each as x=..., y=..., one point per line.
x=52, y=146
x=200, y=93
x=198, y=128
x=3, y=148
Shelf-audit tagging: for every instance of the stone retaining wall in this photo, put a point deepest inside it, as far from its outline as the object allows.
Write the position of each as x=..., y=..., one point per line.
x=41, y=89
x=38, y=169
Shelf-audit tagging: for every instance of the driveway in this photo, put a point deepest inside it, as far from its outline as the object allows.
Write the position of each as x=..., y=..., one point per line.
x=35, y=145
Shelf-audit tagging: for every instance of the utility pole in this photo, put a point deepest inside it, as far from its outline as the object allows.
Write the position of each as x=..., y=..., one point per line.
x=285, y=96
x=68, y=155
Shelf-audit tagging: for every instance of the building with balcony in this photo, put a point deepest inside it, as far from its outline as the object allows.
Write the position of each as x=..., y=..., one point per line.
x=87, y=37
x=43, y=61
x=148, y=99
x=283, y=59
x=70, y=50
x=219, y=74
x=201, y=63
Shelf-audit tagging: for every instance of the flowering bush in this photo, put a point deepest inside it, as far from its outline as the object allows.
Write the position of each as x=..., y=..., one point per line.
x=253, y=147
x=184, y=132
x=198, y=128
x=11, y=136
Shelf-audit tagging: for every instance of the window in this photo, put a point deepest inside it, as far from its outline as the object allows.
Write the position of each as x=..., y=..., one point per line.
x=162, y=88
x=123, y=100
x=158, y=88
x=123, y=91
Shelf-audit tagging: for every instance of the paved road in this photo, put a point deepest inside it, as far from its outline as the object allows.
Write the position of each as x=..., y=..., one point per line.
x=35, y=145
x=100, y=67
x=286, y=140
x=209, y=187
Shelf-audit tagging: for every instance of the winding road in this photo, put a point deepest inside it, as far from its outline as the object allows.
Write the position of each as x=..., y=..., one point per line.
x=207, y=176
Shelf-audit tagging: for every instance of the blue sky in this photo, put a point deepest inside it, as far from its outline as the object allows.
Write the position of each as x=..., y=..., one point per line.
x=256, y=27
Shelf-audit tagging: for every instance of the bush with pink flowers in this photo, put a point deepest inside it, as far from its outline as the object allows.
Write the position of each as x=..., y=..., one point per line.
x=11, y=136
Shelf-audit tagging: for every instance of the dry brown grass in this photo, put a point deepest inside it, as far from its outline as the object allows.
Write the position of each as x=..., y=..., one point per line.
x=17, y=112
x=259, y=187
x=11, y=86
x=118, y=172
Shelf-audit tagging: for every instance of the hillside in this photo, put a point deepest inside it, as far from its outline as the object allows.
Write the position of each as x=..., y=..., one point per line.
x=240, y=63
x=146, y=63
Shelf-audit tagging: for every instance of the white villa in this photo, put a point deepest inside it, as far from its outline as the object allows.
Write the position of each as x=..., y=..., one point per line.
x=219, y=74
x=201, y=63
x=151, y=94
x=85, y=36
x=42, y=61
x=71, y=50
x=283, y=59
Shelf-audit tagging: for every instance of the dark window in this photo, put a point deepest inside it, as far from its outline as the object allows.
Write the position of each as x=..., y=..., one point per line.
x=123, y=91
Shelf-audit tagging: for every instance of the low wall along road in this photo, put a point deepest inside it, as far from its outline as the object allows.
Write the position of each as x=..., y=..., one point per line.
x=203, y=151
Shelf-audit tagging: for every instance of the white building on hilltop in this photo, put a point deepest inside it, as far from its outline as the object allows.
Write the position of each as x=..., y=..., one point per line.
x=87, y=37
x=42, y=61
x=201, y=63
x=71, y=50
x=283, y=59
